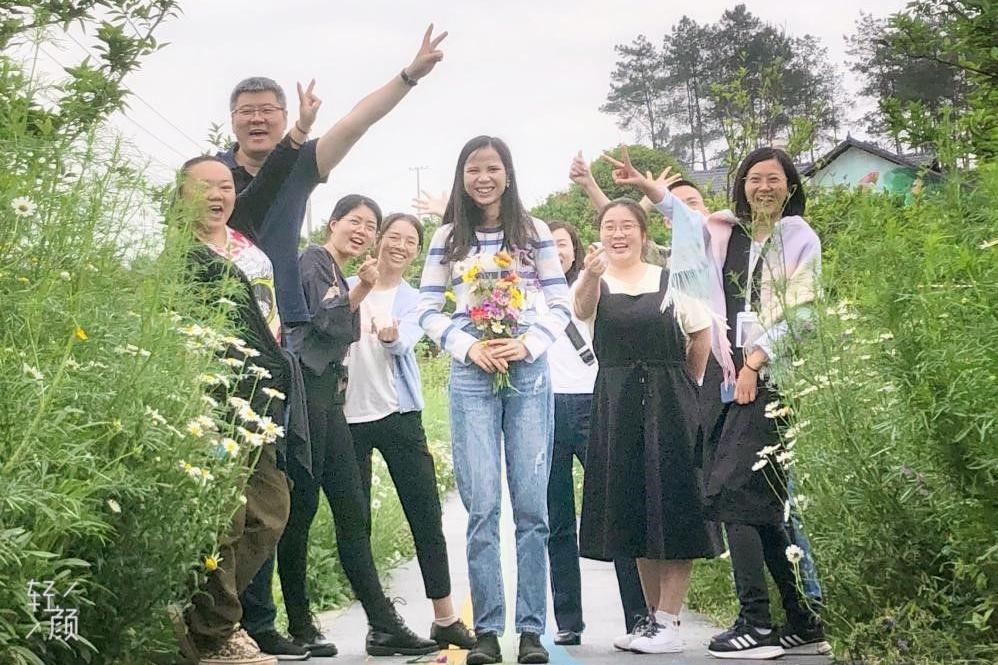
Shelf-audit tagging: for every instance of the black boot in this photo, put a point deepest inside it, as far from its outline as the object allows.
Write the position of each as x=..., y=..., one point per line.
x=485, y=651
x=531, y=650
x=456, y=634
x=307, y=633
x=396, y=639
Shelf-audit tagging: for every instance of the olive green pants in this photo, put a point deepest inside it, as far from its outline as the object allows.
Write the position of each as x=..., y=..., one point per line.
x=251, y=540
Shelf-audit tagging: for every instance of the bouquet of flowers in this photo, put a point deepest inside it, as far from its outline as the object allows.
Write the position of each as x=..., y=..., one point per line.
x=495, y=305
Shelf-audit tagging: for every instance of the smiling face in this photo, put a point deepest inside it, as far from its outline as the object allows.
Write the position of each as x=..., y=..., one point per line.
x=354, y=232
x=259, y=121
x=621, y=235
x=399, y=245
x=485, y=177
x=766, y=189
x=209, y=185
x=566, y=250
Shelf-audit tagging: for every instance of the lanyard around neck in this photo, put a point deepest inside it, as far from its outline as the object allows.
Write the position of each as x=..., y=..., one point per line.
x=753, y=262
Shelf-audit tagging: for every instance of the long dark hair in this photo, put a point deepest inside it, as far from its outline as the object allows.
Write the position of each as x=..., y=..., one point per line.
x=466, y=216
x=796, y=201
x=579, y=255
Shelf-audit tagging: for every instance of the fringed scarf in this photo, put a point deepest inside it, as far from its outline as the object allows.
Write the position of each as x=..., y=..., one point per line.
x=791, y=265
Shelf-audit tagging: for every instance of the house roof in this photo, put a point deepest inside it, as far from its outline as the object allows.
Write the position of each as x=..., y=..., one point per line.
x=712, y=180
x=914, y=161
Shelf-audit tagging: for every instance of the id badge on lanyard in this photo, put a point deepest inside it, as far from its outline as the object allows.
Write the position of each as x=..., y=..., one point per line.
x=747, y=321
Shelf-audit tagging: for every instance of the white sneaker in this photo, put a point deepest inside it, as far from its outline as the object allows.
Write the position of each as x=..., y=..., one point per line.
x=658, y=638
x=624, y=641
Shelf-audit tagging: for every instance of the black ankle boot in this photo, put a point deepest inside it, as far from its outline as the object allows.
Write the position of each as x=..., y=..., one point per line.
x=485, y=651
x=531, y=650
x=396, y=639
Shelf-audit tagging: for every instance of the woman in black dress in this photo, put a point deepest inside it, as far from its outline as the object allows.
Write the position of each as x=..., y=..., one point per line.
x=641, y=496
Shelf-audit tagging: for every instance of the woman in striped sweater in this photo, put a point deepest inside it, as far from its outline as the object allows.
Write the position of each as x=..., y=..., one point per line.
x=484, y=216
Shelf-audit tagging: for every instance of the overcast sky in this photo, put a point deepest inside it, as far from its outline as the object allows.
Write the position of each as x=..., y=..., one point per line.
x=533, y=72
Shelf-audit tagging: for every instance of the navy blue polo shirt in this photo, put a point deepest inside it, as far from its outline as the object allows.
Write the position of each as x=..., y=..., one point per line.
x=280, y=232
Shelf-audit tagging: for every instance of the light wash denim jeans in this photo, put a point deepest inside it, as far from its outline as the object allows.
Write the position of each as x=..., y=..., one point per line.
x=521, y=422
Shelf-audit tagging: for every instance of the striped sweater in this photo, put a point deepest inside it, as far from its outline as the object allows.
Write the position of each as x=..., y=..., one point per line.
x=539, y=269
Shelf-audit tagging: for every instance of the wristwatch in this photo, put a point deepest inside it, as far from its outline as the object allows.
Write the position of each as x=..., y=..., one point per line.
x=408, y=80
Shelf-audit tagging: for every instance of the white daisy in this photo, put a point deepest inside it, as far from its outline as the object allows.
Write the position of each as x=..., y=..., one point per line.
x=23, y=206
x=274, y=394
x=794, y=554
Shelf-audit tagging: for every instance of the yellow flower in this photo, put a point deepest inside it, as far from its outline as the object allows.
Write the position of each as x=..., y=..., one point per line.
x=80, y=334
x=211, y=562
x=503, y=259
x=449, y=295
x=471, y=273
x=516, y=298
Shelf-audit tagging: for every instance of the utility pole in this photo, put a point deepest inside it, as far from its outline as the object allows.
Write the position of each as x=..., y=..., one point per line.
x=417, y=169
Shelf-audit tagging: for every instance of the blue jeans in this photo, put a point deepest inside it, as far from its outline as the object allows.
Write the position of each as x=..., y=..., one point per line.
x=521, y=423
x=808, y=572
x=571, y=437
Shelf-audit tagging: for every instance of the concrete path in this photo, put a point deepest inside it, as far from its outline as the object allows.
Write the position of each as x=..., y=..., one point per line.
x=601, y=609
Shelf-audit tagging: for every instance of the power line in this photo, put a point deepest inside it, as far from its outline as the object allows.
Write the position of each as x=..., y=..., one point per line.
x=162, y=142
x=193, y=141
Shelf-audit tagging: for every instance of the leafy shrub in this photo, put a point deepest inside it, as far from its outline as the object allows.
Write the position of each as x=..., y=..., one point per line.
x=895, y=409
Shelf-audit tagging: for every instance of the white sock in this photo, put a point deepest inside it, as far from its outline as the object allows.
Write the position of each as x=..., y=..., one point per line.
x=763, y=631
x=443, y=622
x=666, y=619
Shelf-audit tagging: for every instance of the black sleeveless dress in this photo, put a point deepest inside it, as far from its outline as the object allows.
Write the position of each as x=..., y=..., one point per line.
x=642, y=489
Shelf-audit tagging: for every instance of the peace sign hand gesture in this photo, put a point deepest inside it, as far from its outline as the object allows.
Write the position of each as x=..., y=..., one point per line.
x=308, y=107
x=427, y=57
x=624, y=173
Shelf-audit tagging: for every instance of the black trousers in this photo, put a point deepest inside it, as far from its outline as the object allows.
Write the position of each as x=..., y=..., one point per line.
x=754, y=548
x=571, y=434
x=402, y=442
x=336, y=474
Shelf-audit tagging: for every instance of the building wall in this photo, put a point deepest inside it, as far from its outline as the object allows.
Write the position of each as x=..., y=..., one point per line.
x=858, y=167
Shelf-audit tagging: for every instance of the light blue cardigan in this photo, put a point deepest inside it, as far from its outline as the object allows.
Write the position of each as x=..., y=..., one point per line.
x=405, y=369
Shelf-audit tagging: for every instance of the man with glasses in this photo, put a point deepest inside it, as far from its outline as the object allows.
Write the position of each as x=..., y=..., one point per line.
x=259, y=115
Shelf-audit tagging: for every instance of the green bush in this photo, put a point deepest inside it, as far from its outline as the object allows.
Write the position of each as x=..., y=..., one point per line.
x=893, y=426
x=111, y=479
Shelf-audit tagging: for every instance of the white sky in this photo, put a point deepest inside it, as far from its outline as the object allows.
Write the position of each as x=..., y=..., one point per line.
x=532, y=72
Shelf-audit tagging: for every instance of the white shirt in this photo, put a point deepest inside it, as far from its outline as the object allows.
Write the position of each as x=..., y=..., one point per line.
x=371, y=393
x=569, y=373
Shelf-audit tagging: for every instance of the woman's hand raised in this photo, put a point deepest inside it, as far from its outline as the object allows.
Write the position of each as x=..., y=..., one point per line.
x=428, y=55
x=625, y=174
x=428, y=205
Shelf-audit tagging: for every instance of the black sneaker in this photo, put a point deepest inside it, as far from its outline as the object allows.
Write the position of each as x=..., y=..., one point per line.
x=745, y=641
x=805, y=641
x=397, y=640
x=568, y=638
x=273, y=643
x=308, y=635
x=485, y=651
x=531, y=650
x=456, y=634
